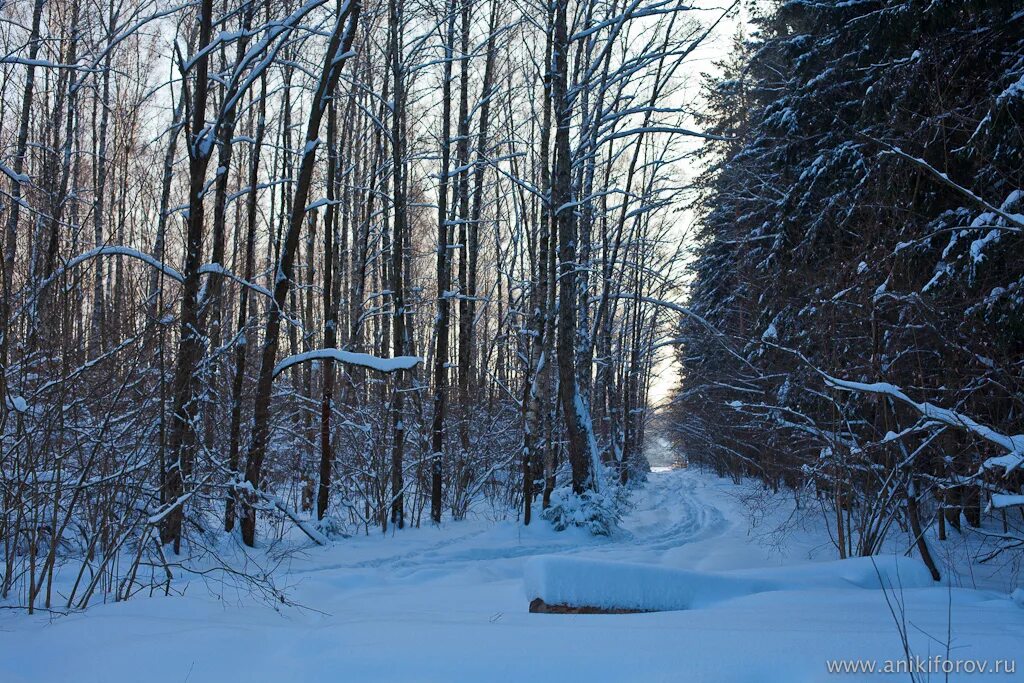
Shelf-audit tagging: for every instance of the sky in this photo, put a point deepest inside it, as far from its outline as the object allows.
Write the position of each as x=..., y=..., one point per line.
x=665, y=376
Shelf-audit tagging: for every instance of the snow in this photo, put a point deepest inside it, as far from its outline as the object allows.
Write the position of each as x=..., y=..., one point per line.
x=218, y=269
x=1012, y=443
x=582, y=582
x=446, y=603
x=17, y=403
x=584, y=418
x=317, y=204
x=169, y=271
x=1004, y=500
x=310, y=146
x=112, y=250
x=978, y=246
x=19, y=178
x=1008, y=462
x=364, y=360
x=1015, y=89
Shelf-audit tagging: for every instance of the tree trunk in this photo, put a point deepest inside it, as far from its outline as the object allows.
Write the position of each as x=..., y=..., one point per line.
x=323, y=497
x=244, y=307
x=338, y=46
x=397, y=257
x=443, y=279
x=574, y=409
x=11, y=236
x=914, y=515
x=190, y=344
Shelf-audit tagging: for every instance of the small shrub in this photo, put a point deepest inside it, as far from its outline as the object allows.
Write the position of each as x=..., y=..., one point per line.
x=598, y=512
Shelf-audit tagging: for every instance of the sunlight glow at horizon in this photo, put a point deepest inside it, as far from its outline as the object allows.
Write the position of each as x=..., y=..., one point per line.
x=665, y=375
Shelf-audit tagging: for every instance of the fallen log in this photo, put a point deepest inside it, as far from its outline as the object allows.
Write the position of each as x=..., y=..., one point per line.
x=538, y=606
x=575, y=585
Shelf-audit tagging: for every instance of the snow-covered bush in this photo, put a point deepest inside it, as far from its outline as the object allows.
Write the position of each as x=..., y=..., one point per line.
x=597, y=511
x=637, y=469
x=332, y=527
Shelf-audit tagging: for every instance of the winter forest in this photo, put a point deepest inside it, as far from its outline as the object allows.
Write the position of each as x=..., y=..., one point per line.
x=462, y=340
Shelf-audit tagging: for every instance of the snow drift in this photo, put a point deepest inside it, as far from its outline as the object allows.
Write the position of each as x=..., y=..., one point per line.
x=578, y=582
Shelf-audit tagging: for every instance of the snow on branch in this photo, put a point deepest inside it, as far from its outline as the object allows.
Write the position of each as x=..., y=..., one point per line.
x=1011, y=218
x=19, y=178
x=217, y=269
x=245, y=488
x=363, y=360
x=118, y=251
x=1004, y=500
x=1014, y=445
x=43, y=63
x=110, y=250
x=672, y=130
x=302, y=524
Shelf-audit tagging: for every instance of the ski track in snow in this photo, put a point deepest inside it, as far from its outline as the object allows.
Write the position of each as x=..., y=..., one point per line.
x=670, y=514
x=666, y=516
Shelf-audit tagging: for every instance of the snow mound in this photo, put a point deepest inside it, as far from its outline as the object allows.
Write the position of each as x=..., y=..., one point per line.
x=620, y=585
x=595, y=511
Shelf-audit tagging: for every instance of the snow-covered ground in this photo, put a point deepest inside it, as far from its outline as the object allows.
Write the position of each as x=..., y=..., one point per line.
x=449, y=604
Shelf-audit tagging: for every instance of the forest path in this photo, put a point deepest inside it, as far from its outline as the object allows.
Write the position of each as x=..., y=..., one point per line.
x=665, y=514
x=448, y=604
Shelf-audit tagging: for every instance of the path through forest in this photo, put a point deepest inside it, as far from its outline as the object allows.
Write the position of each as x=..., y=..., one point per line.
x=448, y=605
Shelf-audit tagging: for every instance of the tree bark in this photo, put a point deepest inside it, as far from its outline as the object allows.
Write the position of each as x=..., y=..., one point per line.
x=244, y=306
x=397, y=256
x=338, y=46
x=574, y=408
x=190, y=344
x=441, y=325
